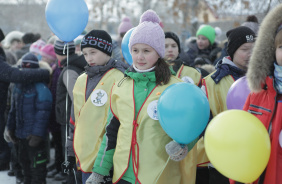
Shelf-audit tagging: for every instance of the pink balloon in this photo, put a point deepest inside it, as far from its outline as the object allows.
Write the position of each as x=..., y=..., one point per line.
x=237, y=94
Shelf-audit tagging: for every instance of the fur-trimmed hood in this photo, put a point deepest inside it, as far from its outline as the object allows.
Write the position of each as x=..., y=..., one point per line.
x=263, y=56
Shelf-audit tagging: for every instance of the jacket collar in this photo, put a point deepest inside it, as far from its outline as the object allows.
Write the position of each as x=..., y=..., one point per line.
x=146, y=76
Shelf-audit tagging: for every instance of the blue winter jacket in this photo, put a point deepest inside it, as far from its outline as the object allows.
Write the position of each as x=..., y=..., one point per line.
x=30, y=110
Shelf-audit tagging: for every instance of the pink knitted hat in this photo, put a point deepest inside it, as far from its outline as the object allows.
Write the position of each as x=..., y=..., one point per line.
x=125, y=25
x=149, y=32
x=48, y=51
x=36, y=46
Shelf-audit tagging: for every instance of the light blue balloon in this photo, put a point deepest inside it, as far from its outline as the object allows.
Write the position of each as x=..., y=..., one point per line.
x=66, y=18
x=124, y=47
x=183, y=112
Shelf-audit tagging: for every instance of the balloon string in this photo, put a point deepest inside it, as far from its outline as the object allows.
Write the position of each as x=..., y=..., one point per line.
x=65, y=48
x=162, y=170
x=67, y=95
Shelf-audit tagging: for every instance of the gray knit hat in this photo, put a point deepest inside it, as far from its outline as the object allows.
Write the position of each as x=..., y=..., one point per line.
x=59, y=47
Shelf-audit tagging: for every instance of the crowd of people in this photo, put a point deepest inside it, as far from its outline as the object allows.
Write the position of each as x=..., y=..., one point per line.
x=98, y=112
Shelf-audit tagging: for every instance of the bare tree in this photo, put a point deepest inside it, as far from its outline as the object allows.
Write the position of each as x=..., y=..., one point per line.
x=241, y=7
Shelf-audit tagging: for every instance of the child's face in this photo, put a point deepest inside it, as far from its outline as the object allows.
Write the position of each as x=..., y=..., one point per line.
x=144, y=56
x=171, y=49
x=95, y=57
x=202, y=42
x=48, y=60
x=16, y=45
x=242, y=56
x=278, y=54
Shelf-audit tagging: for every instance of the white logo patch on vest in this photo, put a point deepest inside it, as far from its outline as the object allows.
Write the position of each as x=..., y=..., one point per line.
x=280, y=139
x=99, y=97
x=152, y=110
x=188, y=80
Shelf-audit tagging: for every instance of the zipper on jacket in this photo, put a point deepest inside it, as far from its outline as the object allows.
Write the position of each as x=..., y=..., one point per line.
x=259, y=107
x=255, y=112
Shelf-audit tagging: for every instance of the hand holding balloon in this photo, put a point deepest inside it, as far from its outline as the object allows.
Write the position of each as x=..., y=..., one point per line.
x=176, y=151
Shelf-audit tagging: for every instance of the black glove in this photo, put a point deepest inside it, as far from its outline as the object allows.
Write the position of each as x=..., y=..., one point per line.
x=34, y=140
x=68, y=165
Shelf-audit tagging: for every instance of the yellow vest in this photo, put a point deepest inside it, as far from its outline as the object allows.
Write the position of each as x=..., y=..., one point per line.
x=91, y=116
x=154, y=163
x=216, y=94
x=189, y=74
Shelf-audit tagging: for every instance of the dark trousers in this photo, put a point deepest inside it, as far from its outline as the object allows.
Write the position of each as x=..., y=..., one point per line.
x=59, y=155
x=216, y=177
x=209, y=175
x=33, y=161
x=73, y=177
x=16, y=166
x=4, y=148
x=202, y=176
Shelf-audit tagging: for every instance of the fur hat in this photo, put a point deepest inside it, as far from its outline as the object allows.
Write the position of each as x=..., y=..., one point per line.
x=98, y=39
x=207, y=31
x=60, y=45
x=36, y=46
x=29, y=60
x=149, y=32
x=125, y=25
x=263, y=56
x=11, y=36
x=174, y=37
x=48, y=51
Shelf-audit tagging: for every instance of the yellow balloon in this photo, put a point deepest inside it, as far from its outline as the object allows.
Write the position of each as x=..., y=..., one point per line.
x=238, y=145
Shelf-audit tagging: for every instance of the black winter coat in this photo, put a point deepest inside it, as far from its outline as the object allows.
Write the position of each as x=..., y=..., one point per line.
x=11, y=74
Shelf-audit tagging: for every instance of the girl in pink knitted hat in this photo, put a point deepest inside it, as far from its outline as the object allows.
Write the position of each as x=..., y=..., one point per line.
x=134, y=144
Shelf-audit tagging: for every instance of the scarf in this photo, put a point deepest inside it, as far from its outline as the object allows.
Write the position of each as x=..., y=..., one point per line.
x=278, y=78
x=225, y=68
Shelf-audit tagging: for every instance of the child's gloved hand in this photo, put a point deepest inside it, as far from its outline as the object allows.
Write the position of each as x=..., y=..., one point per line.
x=34, y=140
x=95, y=178
x=176, y=151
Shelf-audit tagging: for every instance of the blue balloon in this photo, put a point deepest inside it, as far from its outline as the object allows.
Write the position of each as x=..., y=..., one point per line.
x=66, y=18
x=183, y=112
x=124, y=47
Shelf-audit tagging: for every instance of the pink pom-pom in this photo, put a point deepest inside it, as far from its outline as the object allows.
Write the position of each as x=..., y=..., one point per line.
x=126, y=19
x=150, y=16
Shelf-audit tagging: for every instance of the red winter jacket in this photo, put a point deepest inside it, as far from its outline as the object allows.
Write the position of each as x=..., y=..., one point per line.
x=263, y=106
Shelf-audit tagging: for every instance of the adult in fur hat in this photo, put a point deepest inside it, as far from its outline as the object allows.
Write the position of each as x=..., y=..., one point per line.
x=265, y=81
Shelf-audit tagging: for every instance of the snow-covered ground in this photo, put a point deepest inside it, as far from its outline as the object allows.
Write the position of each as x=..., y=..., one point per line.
x=5, y=179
